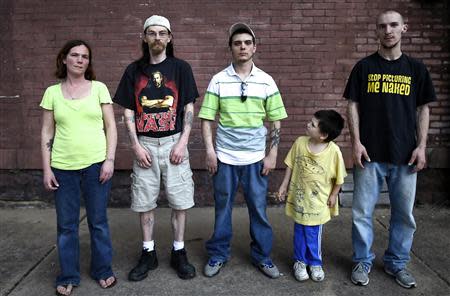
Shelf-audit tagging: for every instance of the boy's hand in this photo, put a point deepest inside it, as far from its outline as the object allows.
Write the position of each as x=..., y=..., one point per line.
x=332, y=201
x=281, y=194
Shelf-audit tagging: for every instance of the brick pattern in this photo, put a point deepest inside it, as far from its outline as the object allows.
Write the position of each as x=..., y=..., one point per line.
x=308, y=46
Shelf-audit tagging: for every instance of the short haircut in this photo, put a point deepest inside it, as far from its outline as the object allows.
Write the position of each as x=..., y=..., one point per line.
x=391, y=12
x=61, y=68
x=330, y=123
x=241, y=31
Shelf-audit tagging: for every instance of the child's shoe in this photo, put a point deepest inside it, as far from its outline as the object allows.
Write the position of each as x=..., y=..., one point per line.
x=300, y=272
x=317, y=273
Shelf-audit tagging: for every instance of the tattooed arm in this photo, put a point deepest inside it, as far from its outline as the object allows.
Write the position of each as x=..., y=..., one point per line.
x=178, y=150
x=270, y=160
x=143, y=156
x=423, y=121
x=47, y=136
x=359, y=151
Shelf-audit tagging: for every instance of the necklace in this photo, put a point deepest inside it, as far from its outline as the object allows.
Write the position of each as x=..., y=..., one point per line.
x=78, y=89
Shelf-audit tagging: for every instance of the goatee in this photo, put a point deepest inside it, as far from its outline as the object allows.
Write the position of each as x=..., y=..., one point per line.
x=157, y=48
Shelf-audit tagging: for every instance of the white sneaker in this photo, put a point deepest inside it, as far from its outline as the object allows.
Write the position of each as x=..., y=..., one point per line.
x=317, y=273
x=300, y=272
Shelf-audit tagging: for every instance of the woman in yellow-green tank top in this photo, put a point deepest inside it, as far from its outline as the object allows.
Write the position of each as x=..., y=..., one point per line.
x=78, y=144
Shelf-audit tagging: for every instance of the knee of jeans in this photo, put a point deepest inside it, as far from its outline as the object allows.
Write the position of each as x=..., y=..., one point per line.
x=259, y=212
x=359, y=214
x=98, y=219
x=223, y=195
x=260, y=208
x=223, y=209
x=67, y=226
x=407, y=220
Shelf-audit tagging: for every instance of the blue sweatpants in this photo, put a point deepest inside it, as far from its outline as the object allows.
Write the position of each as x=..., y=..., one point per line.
x=308, y=244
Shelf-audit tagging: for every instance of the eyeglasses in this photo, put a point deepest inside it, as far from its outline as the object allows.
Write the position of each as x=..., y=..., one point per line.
x=243, y=91
x=152, y=34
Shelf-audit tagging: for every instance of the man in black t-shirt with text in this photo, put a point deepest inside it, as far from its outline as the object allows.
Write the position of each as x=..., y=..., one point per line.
x=158, y=92
x=388, y=94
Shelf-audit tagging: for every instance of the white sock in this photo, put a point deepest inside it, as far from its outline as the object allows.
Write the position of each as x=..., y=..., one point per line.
x=149, y=245
x=178, y=245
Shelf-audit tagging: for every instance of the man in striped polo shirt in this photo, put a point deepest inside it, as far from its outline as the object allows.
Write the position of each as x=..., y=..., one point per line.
x=244, y=96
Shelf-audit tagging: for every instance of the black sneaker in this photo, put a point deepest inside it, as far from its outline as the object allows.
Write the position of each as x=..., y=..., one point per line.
x=148, y=261
x=179, y=262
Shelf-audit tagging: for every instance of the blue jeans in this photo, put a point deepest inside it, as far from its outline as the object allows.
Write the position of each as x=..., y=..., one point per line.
x=401, y=182
x=254, y=185
x=308, y=244
x=73, y=183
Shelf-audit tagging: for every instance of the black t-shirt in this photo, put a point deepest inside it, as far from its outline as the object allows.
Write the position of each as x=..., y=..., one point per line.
x=388, y=94
x=157, y=93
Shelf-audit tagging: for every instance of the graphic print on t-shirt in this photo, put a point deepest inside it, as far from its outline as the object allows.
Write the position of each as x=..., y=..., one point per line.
x=307, y=188
x=389, y=84
x=156, y=101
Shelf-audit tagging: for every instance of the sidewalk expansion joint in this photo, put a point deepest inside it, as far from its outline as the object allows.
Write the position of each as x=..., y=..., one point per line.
x=32, y=268
x=436, y=273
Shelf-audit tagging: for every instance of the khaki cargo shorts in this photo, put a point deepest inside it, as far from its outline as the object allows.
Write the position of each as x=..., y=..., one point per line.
x=177, y=179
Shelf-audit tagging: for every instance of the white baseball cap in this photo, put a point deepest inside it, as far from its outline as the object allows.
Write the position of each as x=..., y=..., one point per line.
x=157, y=20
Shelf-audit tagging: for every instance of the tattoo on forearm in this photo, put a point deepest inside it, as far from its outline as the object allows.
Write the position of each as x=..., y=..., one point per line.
x=274, y=137
x=49, y=144
x=188, y=118
x=132, y=136
x=131, y=133
x=129, y=119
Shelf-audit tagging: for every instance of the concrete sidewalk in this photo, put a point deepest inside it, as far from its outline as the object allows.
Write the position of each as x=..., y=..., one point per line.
x=28, y=259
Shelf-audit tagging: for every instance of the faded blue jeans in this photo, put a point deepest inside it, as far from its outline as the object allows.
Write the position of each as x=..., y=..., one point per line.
x=401, y=182
x=72, y=185
x=226, y=182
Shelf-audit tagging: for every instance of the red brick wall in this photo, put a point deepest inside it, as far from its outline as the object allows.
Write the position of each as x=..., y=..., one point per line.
x=309, y=47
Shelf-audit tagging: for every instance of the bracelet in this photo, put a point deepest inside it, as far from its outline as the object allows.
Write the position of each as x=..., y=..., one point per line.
x=110, y=159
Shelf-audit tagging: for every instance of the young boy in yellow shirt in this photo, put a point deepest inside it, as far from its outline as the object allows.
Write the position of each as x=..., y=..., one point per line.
x=316, y=171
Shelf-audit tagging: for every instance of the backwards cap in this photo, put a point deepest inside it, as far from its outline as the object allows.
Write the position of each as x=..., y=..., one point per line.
x=157, y=20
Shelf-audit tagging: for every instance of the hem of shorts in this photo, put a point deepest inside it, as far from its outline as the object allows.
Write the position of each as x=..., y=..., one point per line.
x=143, y=209
x=182, y=208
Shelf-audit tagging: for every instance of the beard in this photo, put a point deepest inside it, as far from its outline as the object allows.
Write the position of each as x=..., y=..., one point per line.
x=157, y=47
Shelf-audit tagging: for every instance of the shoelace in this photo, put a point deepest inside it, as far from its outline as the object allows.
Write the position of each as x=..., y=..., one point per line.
x=360, y=267
x=213, y=263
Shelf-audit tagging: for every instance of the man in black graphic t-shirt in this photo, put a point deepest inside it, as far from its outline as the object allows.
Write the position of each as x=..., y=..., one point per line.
x=388, y=94
x=158, y=92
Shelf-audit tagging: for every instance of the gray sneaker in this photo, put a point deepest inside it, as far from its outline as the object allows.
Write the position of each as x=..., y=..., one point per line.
x=360, y=274
x=212, y=268
x=403, y=278
x=269, y=269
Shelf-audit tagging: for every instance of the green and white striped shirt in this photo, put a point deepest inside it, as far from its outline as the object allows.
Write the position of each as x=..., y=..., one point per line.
x=241, y=124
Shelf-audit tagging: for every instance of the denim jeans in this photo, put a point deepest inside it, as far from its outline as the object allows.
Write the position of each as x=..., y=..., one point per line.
x=73, y=184
x=254, y=185
x=401, y=182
